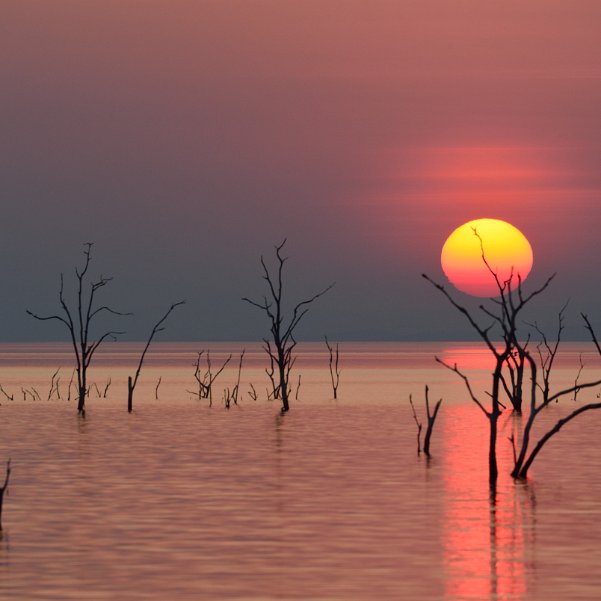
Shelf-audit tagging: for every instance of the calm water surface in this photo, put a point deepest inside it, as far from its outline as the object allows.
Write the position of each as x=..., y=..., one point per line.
x=182, y=501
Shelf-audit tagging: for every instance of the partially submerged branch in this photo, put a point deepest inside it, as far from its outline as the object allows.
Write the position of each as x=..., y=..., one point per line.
x=589, y=327
x=334, y=369
x=54, y=383
x=10, y=397
x=158, y=327
x=205, y=381
x=231, y=396
x=4, y=488
x=430, y=420
x=418, y=424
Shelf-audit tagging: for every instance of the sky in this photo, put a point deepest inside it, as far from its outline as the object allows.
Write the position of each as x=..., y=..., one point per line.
x=186, y=138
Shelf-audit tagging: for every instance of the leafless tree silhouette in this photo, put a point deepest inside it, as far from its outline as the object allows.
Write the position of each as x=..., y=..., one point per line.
x=33, y=393
x=589, y=327
x=206, y=380
x=526, y=456
x=54, y=385
x=158, y=327
x=509, y=304
x=281, y=328
x=547, y=352
x=10, y=397
x=298, y=385
x=430, y=419
x=418, y=423
x=231, y=396
x=334, y=369
x=236, y=389
x=78, y=321
x=274, y=393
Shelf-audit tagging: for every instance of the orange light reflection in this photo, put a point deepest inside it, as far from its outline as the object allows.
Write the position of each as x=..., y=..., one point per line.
x=485, y=535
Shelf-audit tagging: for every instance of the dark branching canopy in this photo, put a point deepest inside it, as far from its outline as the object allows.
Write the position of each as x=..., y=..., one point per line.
x=282, y=326
x=79, y=316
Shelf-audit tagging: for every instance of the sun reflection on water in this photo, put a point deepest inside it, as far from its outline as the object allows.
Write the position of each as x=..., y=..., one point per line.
x=486, y=532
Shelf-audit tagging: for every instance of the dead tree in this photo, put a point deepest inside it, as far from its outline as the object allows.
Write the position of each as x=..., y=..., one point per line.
x=526, y=456
x=334, y=369
x=205, y=381
x=547, y=352
x=430, y=419
x=78, y=320
x=589, y=327
x=509, y=304
x=577, y=378
x=3, y=489
x=500, y=355
x=516, y=366
x=431, y=416
x=231, y=396
x=54, y=383
x=270, y=371
x=10, y=397
x=281, y=328
x=524, y=459
x=418, y=424
x=131, y=382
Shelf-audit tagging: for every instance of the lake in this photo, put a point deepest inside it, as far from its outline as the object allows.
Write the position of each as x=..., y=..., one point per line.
x=179, y=500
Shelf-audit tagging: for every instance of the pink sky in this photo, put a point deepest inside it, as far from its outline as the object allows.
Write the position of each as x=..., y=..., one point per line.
x=186, y=138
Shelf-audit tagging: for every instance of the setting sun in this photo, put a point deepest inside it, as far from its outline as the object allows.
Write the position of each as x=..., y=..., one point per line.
x=505, y=249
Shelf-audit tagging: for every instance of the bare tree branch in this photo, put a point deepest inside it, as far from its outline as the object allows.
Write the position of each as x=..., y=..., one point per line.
x=589, y=327
x=77, y=320
x=281, y=329
x=131, y=382
x=334, y=369
x=466, y=381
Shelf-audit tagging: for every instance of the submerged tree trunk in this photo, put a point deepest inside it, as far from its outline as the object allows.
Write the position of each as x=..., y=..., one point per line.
x=560, y=423
x=81, y=404
x=131, y=382
x=518, y=400
x=130, y=395
x=431, y=417
x=429, y=428
x=493, y=417
x=493, y=472
x=283, y=379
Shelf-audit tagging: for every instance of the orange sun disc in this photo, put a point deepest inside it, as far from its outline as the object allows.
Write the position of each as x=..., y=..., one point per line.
x=506, y=250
